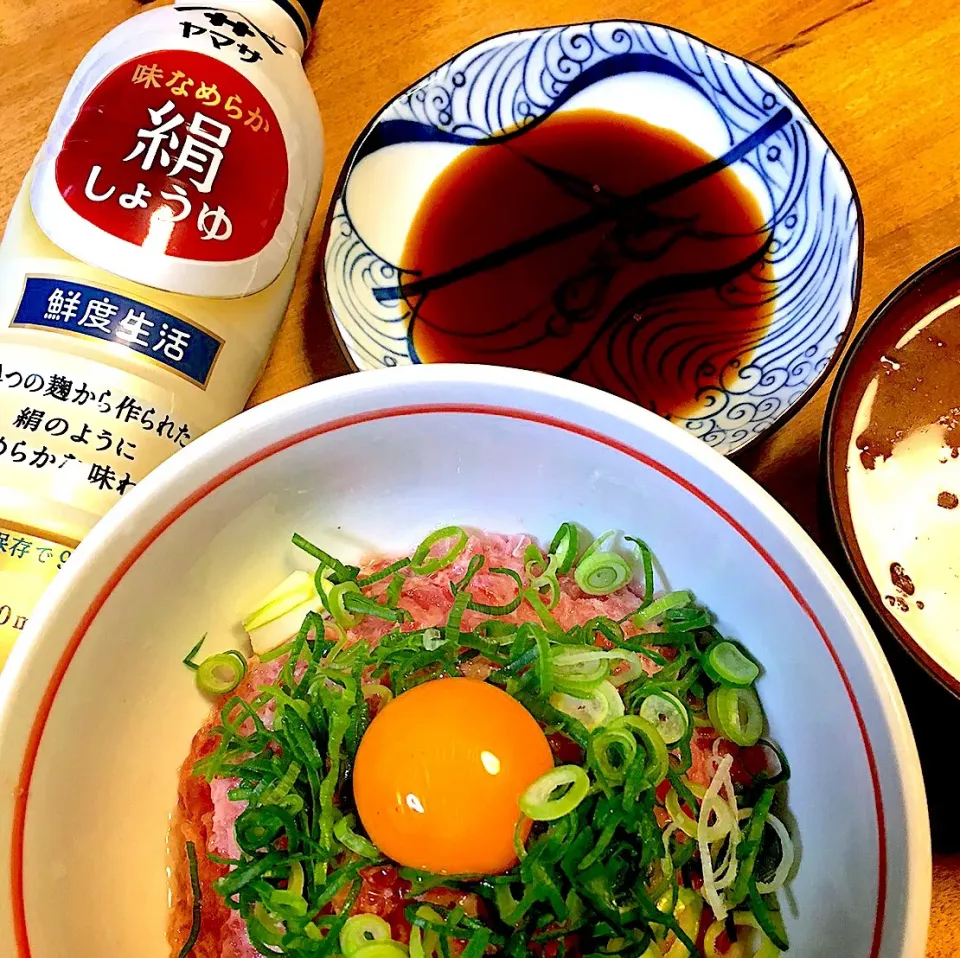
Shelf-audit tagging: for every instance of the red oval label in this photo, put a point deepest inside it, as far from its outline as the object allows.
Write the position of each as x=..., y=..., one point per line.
x=180, y=154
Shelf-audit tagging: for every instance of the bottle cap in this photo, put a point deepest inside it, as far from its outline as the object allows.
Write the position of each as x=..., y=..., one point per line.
x=304, y=14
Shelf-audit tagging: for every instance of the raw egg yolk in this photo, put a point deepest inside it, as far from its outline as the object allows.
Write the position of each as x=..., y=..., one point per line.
x=439, y=774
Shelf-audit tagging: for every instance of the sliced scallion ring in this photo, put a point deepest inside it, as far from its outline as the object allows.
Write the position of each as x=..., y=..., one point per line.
x=565, y=545
x=341, y=615
x=534, y=564
x=657, y=608
x=221, y=673
x=724, y=662
x=423, y=563
x=787, y=856
x=359, y=931
x=343, y=832
x=287, y=904
x=603, y=705
x=668, y=714
x=381, y=949
x=602, y=573
x=614, y=750
x=658, y=758
x=538, y=803
x=737, y=714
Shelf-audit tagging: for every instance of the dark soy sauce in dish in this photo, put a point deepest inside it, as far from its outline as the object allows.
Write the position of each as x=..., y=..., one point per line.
x=660, y=302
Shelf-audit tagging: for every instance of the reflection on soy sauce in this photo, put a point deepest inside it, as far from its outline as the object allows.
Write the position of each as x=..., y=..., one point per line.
x=657, y=301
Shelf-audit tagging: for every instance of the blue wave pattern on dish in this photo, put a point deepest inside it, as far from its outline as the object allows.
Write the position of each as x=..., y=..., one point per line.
x=507, y=82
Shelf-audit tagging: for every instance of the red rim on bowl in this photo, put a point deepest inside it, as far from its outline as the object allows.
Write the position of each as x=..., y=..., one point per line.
x=891, y=445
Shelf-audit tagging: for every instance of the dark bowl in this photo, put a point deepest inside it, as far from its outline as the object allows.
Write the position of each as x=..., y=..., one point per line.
x=891, y=444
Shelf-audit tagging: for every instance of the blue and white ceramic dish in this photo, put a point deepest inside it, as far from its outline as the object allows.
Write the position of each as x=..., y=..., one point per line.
x=729, y=108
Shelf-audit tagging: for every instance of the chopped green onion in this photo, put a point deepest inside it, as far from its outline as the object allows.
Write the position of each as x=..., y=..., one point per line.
x=602, y=705
x=258, y=827
x=360, y=930
x=737, y=714
x=565, y=545
x=595, y=545
x=686, y=823
x=344, y=618
x=222, y=673
x=769, y=922
x=646, y=558
x=356, y=602
x=724, y=662
x=507, y=608
x=424, y=943
x=384, y=573
x=195, y=889
x=613, y=751
x=287, y=904
x=548, y=580
x=343, y=832
x=784, y=865
x=658, y=758
x=188, y=660
x=394, y=590
x=537, y=801
x=381, y=949
x=602, y=573
x=668, y=714
x=534, y=564
x=657, y=608
x=750, y=848
x=473, y=567
x=451, y=631
x=341, y=572
x=423, y=563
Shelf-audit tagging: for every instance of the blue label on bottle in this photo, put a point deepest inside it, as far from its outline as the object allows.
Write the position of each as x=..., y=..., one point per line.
x=68, y=306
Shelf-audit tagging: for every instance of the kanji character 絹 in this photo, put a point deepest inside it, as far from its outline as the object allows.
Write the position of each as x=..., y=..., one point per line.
x=153, y=143
x=29, y=418
x=203, y=150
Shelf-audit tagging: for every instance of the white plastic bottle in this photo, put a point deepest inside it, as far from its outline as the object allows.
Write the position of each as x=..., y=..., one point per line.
x=146, y=264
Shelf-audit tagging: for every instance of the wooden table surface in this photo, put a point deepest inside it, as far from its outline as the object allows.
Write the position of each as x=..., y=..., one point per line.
x=877, y=75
